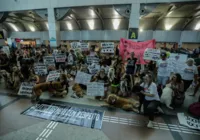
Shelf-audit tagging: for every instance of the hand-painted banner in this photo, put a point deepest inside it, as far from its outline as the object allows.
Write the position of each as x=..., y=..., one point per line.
x=128, y=46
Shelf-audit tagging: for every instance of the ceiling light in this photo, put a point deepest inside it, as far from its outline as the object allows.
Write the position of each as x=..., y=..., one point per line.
x=92, y=12
x=13, y=26
x=91, y=24
x=169, y=13
x=116, y=23
x=47, y=25
x=168, y=27
x=32, y=28
x=197, y=27
x=69, y=26
x=141, y=30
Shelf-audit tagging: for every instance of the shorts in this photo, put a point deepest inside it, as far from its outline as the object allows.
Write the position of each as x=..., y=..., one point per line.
x=130, y=71
x=162, y=80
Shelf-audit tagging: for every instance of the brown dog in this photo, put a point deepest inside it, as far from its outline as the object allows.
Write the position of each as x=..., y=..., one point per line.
x=78, y=90
x=47, y=86
x=125, y=104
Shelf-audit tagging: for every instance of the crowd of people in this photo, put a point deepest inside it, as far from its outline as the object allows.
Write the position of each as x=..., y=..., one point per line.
x=122, y=77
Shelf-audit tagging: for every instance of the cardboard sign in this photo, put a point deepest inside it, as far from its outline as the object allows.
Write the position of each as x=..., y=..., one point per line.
x=52, y=77
x=151, y=54
x=6, y=50
x=188, y=121
x=67, y=114
x=82, y=78
x=92, y=59
x=93, y=68
x=26, y=88
x=95, y=89
x=60, y=58
x=49, y=60
x=107, y=47
x=84, y=46
x=40, y=69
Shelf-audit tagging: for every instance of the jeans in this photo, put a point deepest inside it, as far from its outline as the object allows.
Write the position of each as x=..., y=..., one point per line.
x=150, y=108
x=162, y=80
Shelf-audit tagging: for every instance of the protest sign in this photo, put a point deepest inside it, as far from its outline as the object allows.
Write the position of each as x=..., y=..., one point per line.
x=107, y=47
x=179, y=57
x=40, y=69
x=95, y=89
x=67, y=114
x=92, y=59
x=52, y=77
x=128, y=46
x=49, y=61
x=26, y=88
x=151, y=54
x=60, y=58
x=82, y=78
x=75, y=45
x=93, y=68
x=6, y=50
x=79, y=45
x=188, y=121
x=84, y=46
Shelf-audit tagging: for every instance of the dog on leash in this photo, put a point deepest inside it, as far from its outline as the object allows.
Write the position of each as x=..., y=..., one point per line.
x=166, y=97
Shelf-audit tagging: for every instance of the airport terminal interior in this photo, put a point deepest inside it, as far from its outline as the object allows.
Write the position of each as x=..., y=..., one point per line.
x=99, y=69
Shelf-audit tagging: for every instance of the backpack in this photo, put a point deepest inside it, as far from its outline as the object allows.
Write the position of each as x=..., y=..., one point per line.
x=194, y=109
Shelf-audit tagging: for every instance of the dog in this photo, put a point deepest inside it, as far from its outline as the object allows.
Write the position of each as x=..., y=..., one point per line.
x=53, y=87
x=111, y=74
x=166, y=97
x=77, y=91
x=125, y=104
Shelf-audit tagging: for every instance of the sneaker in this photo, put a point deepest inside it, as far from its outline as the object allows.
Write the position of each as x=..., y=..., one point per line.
x=150, y=124
x=160, y=110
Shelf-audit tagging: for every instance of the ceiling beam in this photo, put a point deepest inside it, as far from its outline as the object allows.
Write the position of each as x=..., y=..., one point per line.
x=77, y=22
x=98, y=13
x=190, y=21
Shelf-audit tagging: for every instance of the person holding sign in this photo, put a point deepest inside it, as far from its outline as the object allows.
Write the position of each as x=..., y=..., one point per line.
x=102, y=78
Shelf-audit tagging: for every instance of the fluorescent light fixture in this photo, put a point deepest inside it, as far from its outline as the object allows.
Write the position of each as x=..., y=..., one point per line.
x=32, y=28
x=92, y=12
x=197, y=27
x=69, y=26
x=168, y=27
x=116, y=23
x=141, y=30
x=47, y=25
x=91, y=24
x=169, y=13
x=14, y=27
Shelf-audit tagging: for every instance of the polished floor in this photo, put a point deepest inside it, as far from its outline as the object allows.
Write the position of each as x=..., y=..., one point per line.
x=117, y=124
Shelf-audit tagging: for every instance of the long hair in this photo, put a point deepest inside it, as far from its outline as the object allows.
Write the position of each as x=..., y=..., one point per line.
x=178, y=78
x=150, y=79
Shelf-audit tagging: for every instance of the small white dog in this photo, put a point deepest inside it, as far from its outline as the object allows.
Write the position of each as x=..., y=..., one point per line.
x=166, y=97
x=111, y=74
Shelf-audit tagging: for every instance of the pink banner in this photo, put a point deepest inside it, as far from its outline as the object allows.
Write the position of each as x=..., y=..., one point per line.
x=128, y=46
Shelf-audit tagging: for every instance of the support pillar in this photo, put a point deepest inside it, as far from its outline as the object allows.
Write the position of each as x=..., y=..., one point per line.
x=54, y=29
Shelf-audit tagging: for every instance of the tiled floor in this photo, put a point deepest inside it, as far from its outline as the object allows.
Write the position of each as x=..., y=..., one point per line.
x=117, y=124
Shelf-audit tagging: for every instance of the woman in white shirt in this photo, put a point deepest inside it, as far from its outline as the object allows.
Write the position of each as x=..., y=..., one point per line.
x=151, y=99
x=190, y=73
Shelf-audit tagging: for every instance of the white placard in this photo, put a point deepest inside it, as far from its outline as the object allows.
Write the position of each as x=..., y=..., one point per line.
x=107, y=47
x=6, y=50
x=84, y=46
x=49, y=60
x=178, y=57
x=60, y=57
x=151, y=54
x=79, y=45
x=95, y=89
x=175, y=66
x=92, y=59
x=40, y=69
x=26, y=88
x=188, y=121
x=82, y=78
x=93, y=68
x=75, y=45
x=53, y=77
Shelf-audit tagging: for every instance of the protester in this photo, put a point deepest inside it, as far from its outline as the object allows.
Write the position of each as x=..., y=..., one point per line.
x=151, y=100
x=190, y=73
x=162, y=68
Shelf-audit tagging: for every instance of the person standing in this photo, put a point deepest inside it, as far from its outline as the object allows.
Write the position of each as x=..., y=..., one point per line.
x=162, y=70
x=151, y=98
x=190, y=73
